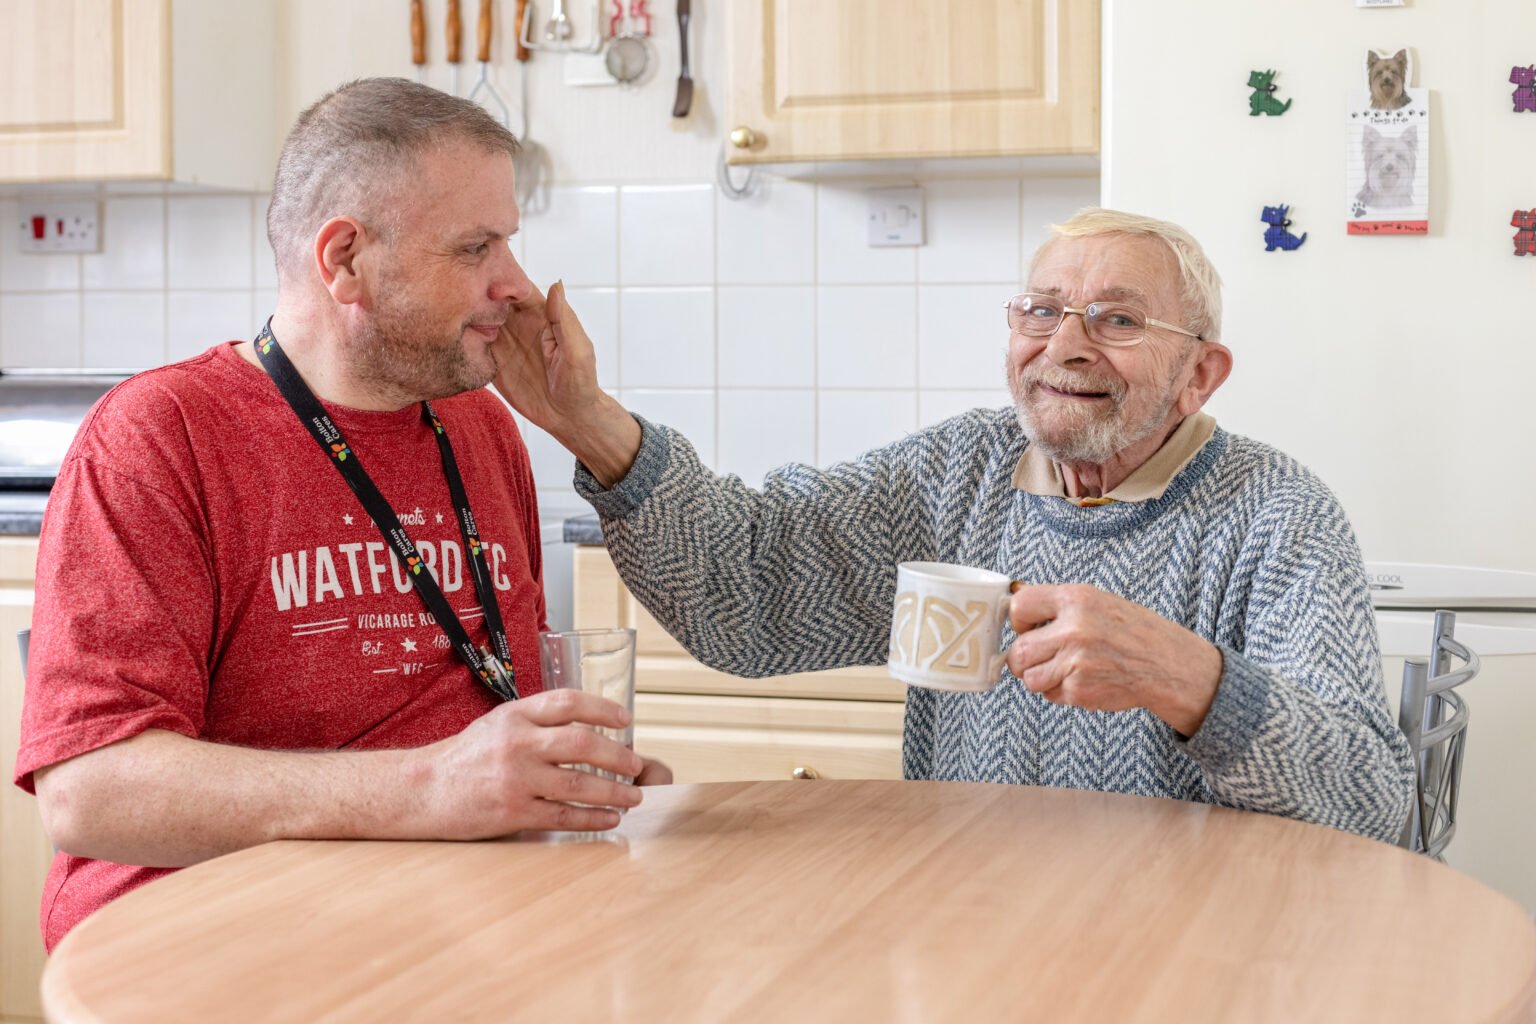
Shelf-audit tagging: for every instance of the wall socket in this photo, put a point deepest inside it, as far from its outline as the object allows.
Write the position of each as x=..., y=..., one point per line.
x=895, y=216
x=58, y=226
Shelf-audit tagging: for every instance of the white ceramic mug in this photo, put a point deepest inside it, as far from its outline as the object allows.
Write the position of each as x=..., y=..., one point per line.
x=947, y=626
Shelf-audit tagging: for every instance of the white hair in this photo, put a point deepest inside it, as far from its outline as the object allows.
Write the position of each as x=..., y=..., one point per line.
x=1200, y=285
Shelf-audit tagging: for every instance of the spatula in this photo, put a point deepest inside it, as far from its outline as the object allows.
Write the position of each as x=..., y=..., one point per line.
x=684, y=79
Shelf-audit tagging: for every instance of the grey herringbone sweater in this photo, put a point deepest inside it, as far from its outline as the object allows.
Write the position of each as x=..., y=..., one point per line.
x=1246, y=548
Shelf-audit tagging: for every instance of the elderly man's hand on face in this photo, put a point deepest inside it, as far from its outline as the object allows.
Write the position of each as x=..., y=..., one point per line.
x=547, y=370
x=545, y=363
x=1080, y=645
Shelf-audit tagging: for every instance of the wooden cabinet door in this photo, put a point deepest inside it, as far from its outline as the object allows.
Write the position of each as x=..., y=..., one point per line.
x=84, y=89
x=868, y=79
x=24, y=849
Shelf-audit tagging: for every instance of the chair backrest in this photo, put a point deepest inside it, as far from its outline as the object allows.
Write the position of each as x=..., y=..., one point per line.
x=1434, y=718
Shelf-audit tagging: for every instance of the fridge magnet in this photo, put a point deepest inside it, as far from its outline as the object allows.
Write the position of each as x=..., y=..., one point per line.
x=1262, y=99
x=1524, y=80
x=1525, y=237
x=1387, y=178
x=1276, y=236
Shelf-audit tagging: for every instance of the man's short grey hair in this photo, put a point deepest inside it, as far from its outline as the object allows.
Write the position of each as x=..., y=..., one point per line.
x=353, y=152
x=1200, y=285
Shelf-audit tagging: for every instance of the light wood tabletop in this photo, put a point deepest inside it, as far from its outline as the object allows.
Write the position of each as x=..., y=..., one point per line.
x=819, y=901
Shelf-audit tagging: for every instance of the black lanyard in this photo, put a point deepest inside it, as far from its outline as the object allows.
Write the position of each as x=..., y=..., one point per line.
x=494, y=670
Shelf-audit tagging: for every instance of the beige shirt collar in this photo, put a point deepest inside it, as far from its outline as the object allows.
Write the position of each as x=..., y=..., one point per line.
x=1037, y=474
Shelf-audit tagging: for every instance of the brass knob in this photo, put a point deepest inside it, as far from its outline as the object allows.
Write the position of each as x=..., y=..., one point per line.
x=805, y=772
x=744, y=137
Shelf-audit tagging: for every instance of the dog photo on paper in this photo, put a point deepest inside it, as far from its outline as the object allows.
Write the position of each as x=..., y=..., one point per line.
x=1388, y=154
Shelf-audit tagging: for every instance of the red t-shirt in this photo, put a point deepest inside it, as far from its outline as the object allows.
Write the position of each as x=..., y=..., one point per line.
x=205, y=569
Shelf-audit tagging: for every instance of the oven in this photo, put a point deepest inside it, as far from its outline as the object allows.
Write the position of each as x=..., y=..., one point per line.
x=40, y=411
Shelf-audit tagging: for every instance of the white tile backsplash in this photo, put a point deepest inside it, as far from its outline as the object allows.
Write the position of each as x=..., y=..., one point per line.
x=767, y=337
x=691, y=412
x=196, y=321
x=962, y=335
x=263, y=260
x=971, y=232
x=598, y=311
x=770, y=236
x=843, y=252
x=1047, y=201
x=554, y=468
x=576, y=239
x=132, y=246
x=40, y=330
x=667, y=235
x=669, y=338
x=851, y=422
x=762, y=429
x=124, y=330
x=866, y=337
x=767, y=330
x=208, y=242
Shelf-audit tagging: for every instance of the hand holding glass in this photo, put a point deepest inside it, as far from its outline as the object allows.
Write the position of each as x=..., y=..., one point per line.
x=596, y=661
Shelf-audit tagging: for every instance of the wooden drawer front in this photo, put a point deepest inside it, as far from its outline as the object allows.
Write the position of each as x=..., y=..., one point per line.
x=727, y=739
x=663, y=666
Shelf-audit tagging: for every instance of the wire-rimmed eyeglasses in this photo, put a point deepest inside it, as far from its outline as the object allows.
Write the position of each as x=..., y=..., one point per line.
x=1108, y=323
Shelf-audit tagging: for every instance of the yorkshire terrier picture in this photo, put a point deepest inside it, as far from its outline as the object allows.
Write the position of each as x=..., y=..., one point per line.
x=1390, y=164
x=1389, y=79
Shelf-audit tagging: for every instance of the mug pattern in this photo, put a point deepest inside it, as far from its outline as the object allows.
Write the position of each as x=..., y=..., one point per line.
x=931, y=634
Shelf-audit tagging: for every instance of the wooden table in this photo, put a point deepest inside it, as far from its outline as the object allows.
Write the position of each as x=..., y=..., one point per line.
x=819, y=901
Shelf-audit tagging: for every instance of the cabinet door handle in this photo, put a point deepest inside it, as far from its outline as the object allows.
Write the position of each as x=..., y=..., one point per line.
x=744, y=137
x=805, y=771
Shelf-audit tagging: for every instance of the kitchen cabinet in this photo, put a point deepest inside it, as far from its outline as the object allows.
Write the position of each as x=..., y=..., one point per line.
x=24, y=849
x=155, y=90
x=883, y=79
x=711, y=727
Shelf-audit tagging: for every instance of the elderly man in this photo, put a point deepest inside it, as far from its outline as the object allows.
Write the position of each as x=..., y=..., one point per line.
x=1197, y=624
x=226, y=647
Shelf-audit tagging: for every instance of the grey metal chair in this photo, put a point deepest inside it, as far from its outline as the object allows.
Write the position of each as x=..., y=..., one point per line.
x=1434, y=718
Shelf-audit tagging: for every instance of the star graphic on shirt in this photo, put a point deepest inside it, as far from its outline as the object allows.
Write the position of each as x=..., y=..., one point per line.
x=408, y=644
x=347, y=518
x=439, y=517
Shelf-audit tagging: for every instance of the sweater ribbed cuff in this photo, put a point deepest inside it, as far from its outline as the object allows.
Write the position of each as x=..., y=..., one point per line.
x=629, y=493
x=1236, y=715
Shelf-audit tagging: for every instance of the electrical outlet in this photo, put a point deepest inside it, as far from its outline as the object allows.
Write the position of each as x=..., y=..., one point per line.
x=895, y=216
x=58, y=226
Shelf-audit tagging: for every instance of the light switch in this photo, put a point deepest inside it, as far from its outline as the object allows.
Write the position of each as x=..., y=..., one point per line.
x=59, y=226
x=895, y=216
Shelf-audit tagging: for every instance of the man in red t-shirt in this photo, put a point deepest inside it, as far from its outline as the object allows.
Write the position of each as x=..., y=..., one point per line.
x=226, y=649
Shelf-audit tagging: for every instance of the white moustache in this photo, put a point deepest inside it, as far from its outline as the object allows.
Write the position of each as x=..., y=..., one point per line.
x=1076, y=383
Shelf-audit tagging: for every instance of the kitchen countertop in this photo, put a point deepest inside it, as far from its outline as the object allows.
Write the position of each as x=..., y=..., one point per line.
x=21, y=515
x=583, y=529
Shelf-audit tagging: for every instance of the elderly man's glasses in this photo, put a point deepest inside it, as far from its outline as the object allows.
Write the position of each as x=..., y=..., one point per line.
x=1107, y=323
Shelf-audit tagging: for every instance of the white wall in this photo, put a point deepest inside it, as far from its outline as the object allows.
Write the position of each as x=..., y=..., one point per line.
x=1399, y=368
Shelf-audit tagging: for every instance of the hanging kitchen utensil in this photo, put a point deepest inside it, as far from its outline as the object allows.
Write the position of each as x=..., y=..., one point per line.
x=684, y=100
x=535, y=33
x=629, y=51
x=419, y=40
x=455, y=37
x=483, y=83
x=530, y=164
